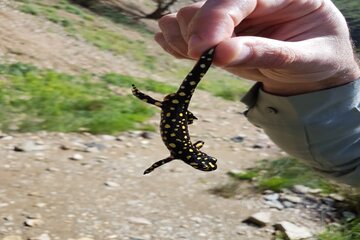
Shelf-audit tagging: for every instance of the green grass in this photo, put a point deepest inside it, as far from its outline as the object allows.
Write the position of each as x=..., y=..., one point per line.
x=79, y=21
x=345, y=231
x=285, y=173
x=46, y=100
x=143, y=84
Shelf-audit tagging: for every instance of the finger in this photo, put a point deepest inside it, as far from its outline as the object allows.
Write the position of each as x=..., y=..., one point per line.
x=160, y=39
x=185, y=15
x=215, y=22
x=172, y=34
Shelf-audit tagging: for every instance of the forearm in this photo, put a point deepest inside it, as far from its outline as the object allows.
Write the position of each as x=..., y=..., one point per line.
x=321, y=127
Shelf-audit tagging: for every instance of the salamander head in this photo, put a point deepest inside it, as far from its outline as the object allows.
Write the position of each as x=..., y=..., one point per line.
x=205, y=163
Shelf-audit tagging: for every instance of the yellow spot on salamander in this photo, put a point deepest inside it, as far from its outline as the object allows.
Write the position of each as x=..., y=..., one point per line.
x=190, y=150
x=167, y=126
x=158, y=104
x=183, y=127
x=211, y=165
x=175, y=101
x=202, y=65
x=173, y=145
x=180, y=114
x=173, y=135
x=188, y=157
x=182, y=94
x=180, y=152
x=168, y=114
x=192, y=83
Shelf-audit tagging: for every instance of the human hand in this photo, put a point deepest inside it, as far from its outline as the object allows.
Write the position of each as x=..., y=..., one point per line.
x=292, y=46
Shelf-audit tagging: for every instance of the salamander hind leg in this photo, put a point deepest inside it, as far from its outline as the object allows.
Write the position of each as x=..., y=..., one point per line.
x=144, y=97
x=158, y=164
x=199, y=144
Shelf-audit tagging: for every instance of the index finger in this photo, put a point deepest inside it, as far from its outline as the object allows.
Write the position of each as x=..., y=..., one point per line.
x=214, y=22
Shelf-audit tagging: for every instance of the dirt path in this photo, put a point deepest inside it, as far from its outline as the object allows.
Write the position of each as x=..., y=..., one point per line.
x=80, y=186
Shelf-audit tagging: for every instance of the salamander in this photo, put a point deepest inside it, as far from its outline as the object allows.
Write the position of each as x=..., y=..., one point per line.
x=175, y=118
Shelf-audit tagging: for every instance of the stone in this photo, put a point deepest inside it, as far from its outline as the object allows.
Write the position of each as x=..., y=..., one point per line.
x=91, y=146
x=139, y=221
x=111, y=184
x=12, y=237
x=336, y=197
x=29, y=146
x=348, y=215
x=238, y=139
x=77, y=157
x=292, y=231
x=43, y=236
x=108, y=137
x=288, y=204
x=291, y=198
x=275, y=204
x=300, y=189
x=271, y=197
x=147, y=135
x=259, y=219
x=33, y=222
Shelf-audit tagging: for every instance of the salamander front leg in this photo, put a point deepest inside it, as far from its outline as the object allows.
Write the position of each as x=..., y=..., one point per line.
x=158, y=164
x=144, y=97
x=190, y=117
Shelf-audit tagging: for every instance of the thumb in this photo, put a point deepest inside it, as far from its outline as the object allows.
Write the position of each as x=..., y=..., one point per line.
x=258, y=52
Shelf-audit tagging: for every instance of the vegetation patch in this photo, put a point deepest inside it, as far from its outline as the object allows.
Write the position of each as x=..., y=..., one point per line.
x=34, y=99
x=79, y=21
x=143, y=84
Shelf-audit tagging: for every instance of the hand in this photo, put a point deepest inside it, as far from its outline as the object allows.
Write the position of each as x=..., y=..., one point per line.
x=292, y=46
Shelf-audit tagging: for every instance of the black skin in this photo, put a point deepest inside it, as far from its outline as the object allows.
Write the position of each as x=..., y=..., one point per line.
x=175, y=118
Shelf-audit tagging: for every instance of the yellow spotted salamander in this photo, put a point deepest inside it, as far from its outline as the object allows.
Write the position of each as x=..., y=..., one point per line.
x=175, y=119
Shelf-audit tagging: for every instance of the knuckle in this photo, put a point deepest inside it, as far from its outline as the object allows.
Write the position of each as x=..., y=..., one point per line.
x=166, y=20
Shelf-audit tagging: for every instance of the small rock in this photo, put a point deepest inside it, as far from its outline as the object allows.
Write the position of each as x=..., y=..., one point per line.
x=348, y=215
x=238, y=139
x=300, y=189
x=29, y=146
x=293, y=199
x=258, y=146
x=33, y=222
x=93, y=145
x=147, y=135
x=337, y=197
x=139, y=221
x=76, y=157
x=108, y=138
x=292, y=231
x=43, y=236
x=288, y=204
x=12, y=237
x=328, y=201
x=275, y=204
x=111, y=184
x=260, y=218
x=272, y=197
